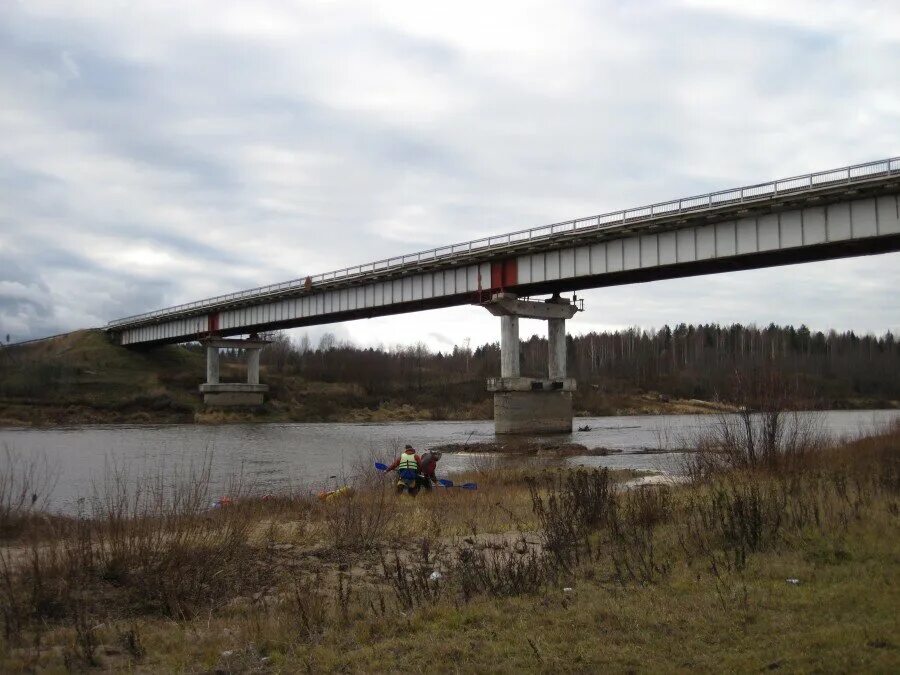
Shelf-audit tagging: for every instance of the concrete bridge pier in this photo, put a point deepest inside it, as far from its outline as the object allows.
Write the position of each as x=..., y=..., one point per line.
x=509, y=346
x=249, y=393
x=525, y=405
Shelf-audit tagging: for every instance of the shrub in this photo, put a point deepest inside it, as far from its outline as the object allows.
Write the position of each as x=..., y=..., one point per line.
x=634, y=521
x=157, y=536
x=773, y=440
x=26, y=483
x=358, y=518
x=573, y=505
x=145, y=544
x=763, y=434
x=502, y=571
x=412, y=582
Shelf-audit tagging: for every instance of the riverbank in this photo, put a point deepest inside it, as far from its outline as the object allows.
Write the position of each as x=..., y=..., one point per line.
x=546, y=447
x=307, y=402
x=785, y=565
x=163, y=409
x=166, y=410
x=81, y=378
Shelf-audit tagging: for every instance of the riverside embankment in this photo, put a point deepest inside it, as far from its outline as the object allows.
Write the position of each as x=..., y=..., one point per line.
x=787, y=560
x=81, y=378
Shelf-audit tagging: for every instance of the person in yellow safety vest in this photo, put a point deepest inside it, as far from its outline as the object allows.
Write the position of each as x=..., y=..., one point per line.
x=407, y=467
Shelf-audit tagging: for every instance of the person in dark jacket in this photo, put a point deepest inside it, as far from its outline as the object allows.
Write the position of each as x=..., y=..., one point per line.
x=427, y=465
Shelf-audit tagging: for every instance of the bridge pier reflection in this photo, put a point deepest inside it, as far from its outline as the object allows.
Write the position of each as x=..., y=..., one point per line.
x=527, y=405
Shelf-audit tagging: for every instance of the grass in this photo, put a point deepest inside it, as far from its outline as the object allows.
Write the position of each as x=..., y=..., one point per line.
x=82, y=378
x=543, y=570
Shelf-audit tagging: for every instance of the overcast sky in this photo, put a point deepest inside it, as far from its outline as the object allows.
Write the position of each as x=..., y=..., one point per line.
x=157, y=152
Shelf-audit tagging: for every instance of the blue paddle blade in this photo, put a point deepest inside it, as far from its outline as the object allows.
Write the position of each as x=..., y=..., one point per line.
x=443, y=482
x=380, y=467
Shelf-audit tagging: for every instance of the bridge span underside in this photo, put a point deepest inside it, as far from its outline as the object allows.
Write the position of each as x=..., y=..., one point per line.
x=862, y=221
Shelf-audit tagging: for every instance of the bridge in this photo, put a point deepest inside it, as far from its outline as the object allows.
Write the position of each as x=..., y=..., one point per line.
x=843, y=212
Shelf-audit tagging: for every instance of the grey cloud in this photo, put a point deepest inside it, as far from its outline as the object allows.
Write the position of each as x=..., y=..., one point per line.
x=23, y=286
x=25, y=300
x=14, y=267
x=252, y=157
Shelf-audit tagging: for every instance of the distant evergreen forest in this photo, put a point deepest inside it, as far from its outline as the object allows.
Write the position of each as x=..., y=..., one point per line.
x=823, y=369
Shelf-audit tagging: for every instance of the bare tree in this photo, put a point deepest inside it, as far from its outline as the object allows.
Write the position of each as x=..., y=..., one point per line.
x=327, y=342
x=278, y=354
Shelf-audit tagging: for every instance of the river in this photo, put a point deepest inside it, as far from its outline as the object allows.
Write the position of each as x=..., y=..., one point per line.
x=309, y=456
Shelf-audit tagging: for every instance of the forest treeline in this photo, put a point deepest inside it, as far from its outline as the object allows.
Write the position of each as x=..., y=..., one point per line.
x=83, y=378
x=690, y=362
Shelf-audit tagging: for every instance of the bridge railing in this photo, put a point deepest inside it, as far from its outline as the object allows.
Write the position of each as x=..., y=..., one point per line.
x=712, y=200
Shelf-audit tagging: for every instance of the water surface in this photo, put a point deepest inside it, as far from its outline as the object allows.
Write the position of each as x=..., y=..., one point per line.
x=304, y=456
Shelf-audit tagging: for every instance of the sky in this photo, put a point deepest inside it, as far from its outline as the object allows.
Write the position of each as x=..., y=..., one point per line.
x=157, y=152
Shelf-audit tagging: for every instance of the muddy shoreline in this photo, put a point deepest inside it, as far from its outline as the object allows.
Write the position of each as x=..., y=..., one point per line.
x=543, y=448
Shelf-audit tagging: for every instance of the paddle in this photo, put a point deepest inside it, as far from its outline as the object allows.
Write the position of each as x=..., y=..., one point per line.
x=380, y=467
x=444, y=482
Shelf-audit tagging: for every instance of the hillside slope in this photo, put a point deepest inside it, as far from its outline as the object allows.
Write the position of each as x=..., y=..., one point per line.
x=83, y=378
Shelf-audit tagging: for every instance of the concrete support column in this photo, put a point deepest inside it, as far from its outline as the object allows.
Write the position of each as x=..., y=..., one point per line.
x=556, y=339
x=530, y=405
x=253, y=366
x=212, y=365
x=249, y=393
x=509, y=346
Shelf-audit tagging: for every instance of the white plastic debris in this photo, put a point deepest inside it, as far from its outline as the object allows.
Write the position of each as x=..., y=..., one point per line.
x=568, y=589
x=434, y=576
x=793, y=582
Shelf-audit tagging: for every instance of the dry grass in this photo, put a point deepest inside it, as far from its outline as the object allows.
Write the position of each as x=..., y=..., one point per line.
x=143, y=546
x=686, y=577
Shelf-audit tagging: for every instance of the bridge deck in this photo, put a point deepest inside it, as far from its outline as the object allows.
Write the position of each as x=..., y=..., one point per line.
x=472, y=260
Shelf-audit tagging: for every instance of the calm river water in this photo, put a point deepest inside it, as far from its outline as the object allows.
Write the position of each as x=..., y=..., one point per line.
x=309, y=456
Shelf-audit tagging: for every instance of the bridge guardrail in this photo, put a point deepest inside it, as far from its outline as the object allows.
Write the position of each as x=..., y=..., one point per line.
x=749, y=193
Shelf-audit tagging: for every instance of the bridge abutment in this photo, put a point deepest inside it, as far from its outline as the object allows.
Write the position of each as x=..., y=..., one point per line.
x=526, y=405
x=249, y=393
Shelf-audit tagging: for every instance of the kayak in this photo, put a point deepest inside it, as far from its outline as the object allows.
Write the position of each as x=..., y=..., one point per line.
x=328, y=495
